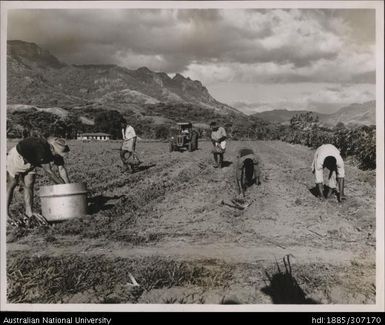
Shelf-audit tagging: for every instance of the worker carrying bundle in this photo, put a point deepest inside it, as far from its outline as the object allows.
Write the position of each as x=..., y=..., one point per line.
x=128, y=147
x=218, y=139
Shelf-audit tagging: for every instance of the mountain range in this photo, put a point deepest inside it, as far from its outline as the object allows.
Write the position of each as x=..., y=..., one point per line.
x=37, y=79
x=354, y=114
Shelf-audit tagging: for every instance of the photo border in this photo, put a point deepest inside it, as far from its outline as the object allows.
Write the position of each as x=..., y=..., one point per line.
x=377, y=5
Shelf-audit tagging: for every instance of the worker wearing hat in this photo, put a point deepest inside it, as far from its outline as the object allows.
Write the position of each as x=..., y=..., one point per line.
x=28, y=154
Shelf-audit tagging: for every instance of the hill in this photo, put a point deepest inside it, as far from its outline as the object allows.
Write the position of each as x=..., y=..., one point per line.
x=37, y=78
x=279, y=115
x=352, y=115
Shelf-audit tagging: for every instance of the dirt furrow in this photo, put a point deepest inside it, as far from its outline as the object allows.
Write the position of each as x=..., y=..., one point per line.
x=172, y=210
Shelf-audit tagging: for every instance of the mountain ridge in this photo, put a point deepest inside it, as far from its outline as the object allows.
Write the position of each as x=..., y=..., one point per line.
x=36, y=77
x=353, y=114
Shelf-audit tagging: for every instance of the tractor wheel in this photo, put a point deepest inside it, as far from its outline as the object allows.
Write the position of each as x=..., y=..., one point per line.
x=194, y=140
x=171, y=147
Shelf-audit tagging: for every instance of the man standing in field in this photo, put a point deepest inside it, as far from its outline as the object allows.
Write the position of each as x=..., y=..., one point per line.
x=247, y=170
x=28, y=154
x=218, y=139
x=128, y=146
x=328, y=156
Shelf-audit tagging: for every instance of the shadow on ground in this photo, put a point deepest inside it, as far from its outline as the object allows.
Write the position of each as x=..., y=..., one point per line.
x=314, y=191
x=98, y=203
x=226, y=163
x=283, y=288
x=133, y=168
x=144, y=167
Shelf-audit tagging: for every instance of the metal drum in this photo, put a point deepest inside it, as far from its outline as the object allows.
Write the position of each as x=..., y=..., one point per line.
x=63, y=201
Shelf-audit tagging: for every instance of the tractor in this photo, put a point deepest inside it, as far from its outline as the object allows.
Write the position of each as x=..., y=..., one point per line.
x=184, y=137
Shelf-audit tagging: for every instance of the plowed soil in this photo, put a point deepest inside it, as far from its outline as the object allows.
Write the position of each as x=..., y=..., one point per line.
x=166, y=227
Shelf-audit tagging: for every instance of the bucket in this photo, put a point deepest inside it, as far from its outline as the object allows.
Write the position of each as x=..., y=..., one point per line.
x=63, y=201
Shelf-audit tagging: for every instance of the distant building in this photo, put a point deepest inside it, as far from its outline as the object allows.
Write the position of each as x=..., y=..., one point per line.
x=94, y=136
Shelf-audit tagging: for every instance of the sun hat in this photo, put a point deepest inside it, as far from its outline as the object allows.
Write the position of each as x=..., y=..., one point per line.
x=59, y=145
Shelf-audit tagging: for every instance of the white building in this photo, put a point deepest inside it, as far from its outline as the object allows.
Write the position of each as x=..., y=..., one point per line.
x=94, y=136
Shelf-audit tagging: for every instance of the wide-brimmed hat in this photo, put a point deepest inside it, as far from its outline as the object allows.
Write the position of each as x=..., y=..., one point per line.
x=59, y=145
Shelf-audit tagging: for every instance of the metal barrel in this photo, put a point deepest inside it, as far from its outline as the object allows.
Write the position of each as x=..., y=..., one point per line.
x=63, y=201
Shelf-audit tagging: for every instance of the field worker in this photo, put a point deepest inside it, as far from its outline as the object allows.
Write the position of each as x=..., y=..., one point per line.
x=129, y=145
x=328, y=156
x=28, y=154
x=247, y=170
x=218, y=139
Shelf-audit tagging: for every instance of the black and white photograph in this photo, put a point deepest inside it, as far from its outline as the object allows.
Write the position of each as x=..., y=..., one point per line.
x=204, y=155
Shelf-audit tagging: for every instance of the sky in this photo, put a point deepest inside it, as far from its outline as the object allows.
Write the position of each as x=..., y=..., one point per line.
x=252, y=59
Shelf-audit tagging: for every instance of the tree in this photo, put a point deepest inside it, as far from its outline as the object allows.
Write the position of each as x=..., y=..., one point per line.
x=35, y=123
x=304, y=121
x=73, y=125
x=162, y=131
x=109, y=122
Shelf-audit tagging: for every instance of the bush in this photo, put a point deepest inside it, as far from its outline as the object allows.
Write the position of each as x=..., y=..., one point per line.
x=358, y=142
x=36, y=123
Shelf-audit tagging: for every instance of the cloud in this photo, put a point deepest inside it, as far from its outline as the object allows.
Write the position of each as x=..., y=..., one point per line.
x=319, y=97
x=232, y=45
x=345, y=68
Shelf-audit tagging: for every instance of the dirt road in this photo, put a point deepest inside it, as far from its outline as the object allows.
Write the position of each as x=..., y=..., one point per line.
x=166, y=226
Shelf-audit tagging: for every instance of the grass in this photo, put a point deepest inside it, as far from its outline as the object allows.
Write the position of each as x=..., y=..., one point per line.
x=73, y=278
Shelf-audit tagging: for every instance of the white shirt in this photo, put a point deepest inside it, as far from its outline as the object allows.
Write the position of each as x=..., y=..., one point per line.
x=128, y=133
x=321, y=153
x=220, y=133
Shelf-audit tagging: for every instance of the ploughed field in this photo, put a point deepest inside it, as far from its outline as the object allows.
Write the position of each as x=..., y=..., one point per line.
x=166, y=228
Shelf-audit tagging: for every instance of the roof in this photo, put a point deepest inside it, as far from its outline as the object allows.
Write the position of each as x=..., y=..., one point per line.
x=95, y=134
x=184, y=124
x=201, y=126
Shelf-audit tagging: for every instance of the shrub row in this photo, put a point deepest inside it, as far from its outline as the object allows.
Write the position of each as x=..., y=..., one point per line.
x=358, y=143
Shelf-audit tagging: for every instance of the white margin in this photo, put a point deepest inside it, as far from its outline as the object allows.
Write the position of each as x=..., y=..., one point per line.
x=380, y=247
x=380, y=251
